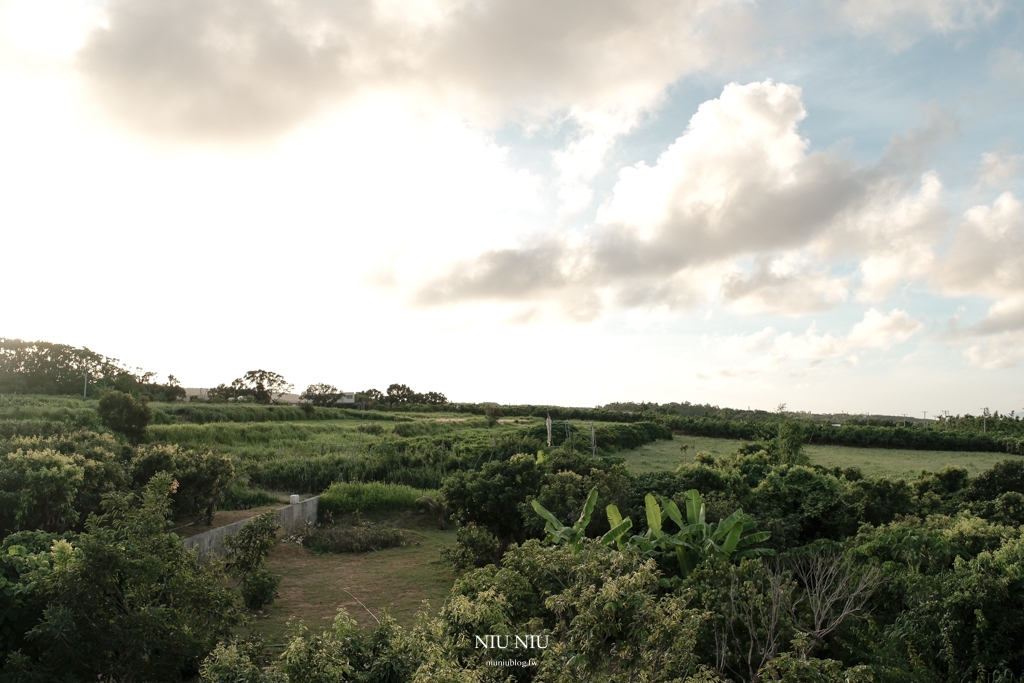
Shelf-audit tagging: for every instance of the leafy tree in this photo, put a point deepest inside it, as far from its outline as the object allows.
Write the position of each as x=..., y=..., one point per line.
x=495, y=496
x=398, y=394
x=123, y=413
x=322, y=395
x=38, y=490
x=246, y=555
x=203, y=477
x=126, y=601
x=261, y=386
x=434, y=398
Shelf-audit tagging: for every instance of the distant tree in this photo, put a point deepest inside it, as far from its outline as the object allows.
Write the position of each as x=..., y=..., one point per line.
x=322, y=395
x=123, y=413
x=398, y=394
x=370, y=396
x=261, y=386
x=434, y=398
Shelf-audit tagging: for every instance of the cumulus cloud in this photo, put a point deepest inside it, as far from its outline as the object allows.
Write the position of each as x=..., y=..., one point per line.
x=778, y=287
x=876, y=331
x=986, y=256
x=997, y=168
x=903, y=22
x=248, y=68
x=740, y=183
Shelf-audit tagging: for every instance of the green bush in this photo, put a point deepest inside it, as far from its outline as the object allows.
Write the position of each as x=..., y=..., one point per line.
x=259, y=588
x=344, y=498
x=474, y=546
x=122, y=413
x=358, y=538
x=238, y=496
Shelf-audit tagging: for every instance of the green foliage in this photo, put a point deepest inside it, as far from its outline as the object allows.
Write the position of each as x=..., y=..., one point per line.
x=475, y=546
x=39, y=489
x=696, y=539
x=355, y=538
x=326, y=395
x=571, y=535
x=238, y=662
x=245, y=556
x=124, y=414
x=203, y=477
x=125, y=600
x=344, y=498
x=260, y=386
x=494, y=496
x=238, y=496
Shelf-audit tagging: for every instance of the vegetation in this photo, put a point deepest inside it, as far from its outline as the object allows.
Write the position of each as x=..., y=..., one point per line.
x=744, y=560
x=122, y=413
x=355, y=538
x=345, y=498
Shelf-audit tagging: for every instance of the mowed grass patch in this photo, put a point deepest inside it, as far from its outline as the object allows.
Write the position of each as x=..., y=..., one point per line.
x=662, y=456
x=901, y=463
x=314, y=585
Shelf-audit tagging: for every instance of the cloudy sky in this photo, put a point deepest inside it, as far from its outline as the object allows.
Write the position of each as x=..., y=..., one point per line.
x=740, y=202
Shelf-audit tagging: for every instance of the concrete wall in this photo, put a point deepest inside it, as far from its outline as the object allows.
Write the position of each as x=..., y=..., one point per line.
x=294, y=518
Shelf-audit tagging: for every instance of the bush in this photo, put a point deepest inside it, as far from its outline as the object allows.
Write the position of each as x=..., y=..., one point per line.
x=370, y=429
x=259, y=588
x=474, y=546
x=344, y=498
x=358, y=538
x=122, y=413
x=240, y=497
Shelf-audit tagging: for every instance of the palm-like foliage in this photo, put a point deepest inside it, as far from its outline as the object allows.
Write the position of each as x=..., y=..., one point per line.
x=696, y=538
x=573, y=535
x=695, y=541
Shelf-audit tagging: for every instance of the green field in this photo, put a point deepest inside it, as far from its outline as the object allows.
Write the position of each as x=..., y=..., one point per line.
x=314, y=586
x=667, y=455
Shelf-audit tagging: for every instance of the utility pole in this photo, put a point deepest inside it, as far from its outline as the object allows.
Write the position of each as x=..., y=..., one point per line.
x=593, y=440
x=548, y=422
x=85, y=380
x=925, y=413
x=984, y=420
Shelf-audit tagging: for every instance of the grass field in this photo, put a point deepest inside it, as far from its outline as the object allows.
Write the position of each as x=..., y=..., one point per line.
x=666, y=455
x=398, y=579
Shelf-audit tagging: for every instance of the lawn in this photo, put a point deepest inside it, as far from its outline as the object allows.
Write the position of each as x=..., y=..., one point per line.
x=666, y=455
x=396, y=579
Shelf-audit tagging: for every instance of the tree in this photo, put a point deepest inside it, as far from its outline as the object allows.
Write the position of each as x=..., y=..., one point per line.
x=326, y=395
x=399, y=393
x=38, y=490
x=261, y=386
x=122, y=413
x=127, y=602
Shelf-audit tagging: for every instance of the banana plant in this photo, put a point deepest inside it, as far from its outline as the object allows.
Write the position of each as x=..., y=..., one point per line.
x=695, y=540
x=560, y=533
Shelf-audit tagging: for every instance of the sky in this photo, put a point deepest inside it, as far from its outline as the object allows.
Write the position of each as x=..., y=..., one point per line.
x=734, y=202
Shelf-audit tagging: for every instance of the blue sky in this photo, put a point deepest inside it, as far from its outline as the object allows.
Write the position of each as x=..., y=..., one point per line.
x=741, y=203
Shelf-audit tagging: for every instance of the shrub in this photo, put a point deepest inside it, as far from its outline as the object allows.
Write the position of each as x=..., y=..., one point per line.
x=122, y=413
x=358, y=538
x=240, y=497
x=370, y=429
x=260, y=588
x=474, y=546
x=344, y=498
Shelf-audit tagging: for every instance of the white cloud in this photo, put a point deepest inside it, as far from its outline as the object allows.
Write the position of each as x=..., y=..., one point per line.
x=876, y=330
x=903, y=22
x=986, y=257
x=997, y=168
x=740, y=185
x=256, y=67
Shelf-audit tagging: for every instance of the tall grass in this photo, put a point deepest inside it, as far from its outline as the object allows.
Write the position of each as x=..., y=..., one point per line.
x=344, y=498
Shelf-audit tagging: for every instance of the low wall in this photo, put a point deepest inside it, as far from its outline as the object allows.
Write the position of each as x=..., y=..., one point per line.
x=293, y=518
